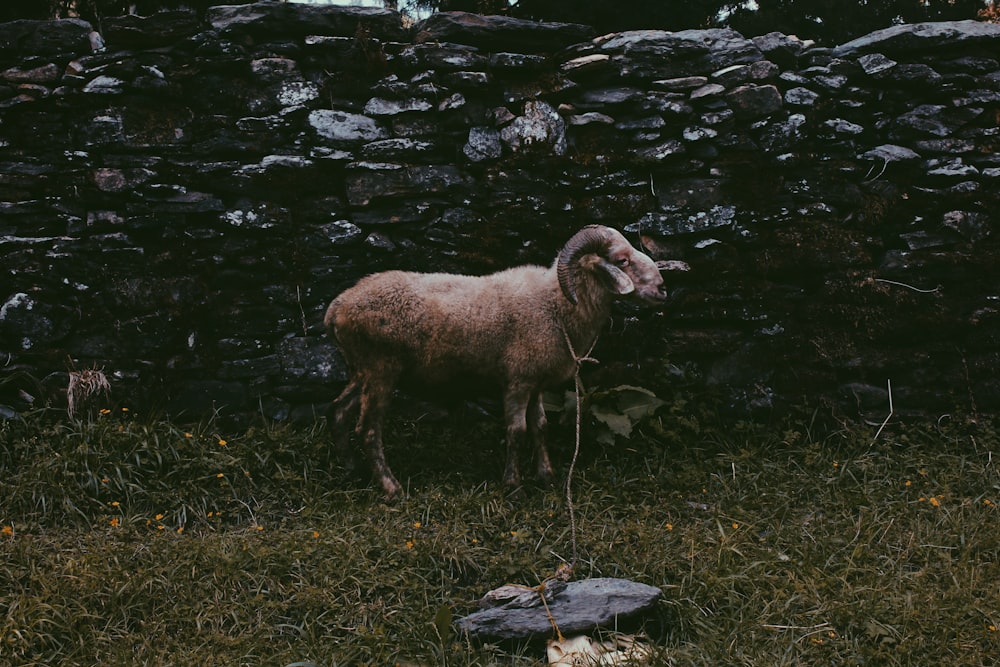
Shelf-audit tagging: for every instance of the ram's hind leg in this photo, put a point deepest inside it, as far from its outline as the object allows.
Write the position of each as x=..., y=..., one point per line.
x=344, y=408
x=536, y=431
x=375, y=394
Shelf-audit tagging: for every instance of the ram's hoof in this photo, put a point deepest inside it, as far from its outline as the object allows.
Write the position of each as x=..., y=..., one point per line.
x=391, y=488
x=349, y=465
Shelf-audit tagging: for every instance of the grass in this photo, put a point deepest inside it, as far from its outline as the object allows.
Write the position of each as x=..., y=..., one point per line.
x=131, y=543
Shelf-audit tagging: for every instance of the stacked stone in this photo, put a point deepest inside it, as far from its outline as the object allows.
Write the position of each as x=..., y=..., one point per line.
x=181, y=198
x=808, y=180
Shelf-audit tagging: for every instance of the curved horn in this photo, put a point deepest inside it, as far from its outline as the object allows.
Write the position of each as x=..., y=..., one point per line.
x=589, y=239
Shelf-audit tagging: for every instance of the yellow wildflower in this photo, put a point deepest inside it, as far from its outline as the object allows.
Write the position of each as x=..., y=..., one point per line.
x=114, y=522
x=315, y=534
x=416, y=524
x=222, y=443
x=409, y=544
x=7, y=530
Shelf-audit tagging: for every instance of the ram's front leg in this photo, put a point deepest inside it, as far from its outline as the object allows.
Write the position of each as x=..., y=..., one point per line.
x=515, y=416
x=536, y=431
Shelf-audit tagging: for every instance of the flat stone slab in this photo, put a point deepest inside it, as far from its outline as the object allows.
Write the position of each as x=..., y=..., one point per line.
x=513, y=612
x=268, y=19
x=500, y=33
x=910, y=37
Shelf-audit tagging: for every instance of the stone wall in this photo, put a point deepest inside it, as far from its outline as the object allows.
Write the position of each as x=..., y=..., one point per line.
x=180, y=198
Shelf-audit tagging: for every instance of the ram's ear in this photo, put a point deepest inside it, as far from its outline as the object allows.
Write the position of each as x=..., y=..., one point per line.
x=616, y=280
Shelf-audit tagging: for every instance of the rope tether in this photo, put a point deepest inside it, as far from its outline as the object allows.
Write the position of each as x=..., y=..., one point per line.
x=565, y=571
x=578, y=386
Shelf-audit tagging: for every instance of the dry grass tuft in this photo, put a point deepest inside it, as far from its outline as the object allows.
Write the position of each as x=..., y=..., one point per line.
x=87, y=388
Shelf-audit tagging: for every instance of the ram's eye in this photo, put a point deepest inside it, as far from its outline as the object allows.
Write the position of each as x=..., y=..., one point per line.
x=623, y=262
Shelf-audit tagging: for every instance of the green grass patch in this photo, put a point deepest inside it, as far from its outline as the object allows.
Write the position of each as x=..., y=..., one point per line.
x=129, y=543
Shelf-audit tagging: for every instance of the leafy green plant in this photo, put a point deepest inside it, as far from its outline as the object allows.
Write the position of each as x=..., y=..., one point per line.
x=615, y=411
x=621, y=408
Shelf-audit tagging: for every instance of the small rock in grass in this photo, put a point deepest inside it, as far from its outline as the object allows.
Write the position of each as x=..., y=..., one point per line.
x=578, y=606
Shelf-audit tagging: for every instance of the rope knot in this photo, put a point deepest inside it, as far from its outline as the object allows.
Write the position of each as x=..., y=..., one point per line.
x=579, y=361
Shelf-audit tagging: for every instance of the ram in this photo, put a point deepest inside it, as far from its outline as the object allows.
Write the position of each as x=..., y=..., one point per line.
x=523, y=329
